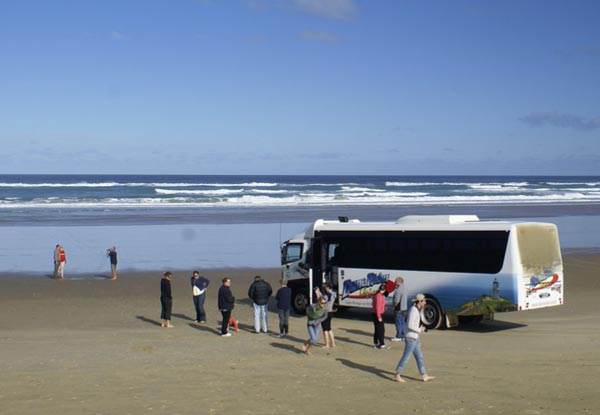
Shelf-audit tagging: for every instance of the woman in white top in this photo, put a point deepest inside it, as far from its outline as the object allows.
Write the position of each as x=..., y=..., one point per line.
x=412, y=342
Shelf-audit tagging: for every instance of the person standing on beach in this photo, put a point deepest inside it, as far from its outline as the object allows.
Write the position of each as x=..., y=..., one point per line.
x=226, y=302
x=400, y=309
x=329, y=296
x=111, y=253
x=284, y=304
x=379, y=326
x=315, y=314
x=56, y=260
x=199, y=285
x=60, y=259
x=260, y=291
x=166, y=300
x=412, y=343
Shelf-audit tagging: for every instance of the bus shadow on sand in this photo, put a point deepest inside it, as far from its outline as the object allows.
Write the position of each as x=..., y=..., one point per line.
x=488, y=326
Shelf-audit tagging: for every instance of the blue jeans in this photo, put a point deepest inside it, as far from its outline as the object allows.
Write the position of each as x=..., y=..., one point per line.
x=411, y=346
x=199, y=306
x=400, y=320
x=260, y=316
x=313, y=333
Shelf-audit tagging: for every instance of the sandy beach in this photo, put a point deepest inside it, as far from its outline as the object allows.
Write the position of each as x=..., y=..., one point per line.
x=94, y=346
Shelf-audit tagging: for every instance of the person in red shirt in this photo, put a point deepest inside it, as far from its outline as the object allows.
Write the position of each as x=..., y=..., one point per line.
x=378, y=310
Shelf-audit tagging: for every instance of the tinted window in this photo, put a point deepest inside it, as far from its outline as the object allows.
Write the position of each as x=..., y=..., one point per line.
x=465, y=251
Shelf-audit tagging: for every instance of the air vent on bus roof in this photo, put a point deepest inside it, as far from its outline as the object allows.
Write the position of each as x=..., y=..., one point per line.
x=437, y=219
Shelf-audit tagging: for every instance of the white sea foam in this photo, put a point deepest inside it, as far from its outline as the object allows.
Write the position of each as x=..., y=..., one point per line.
x=300, y=199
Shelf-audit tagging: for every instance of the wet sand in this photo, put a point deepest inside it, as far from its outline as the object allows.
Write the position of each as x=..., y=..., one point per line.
x=94, y=346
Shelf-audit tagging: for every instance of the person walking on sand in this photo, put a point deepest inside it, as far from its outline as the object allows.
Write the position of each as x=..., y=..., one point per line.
x=284, y=303
x=199, y=285
x=60, y=259
x=379, y=326
x=226, y=302
x=166, y=300
x=412, y=343
x=111, y=253
x=400, y=309
x=315, y=314
x=260, y=291
x=329, y=296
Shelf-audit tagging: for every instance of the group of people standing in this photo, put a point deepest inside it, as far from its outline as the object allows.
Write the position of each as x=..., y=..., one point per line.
x=60, y=260
x=407, y=321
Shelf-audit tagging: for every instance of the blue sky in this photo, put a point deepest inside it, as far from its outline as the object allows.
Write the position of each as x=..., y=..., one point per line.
x=300, y=87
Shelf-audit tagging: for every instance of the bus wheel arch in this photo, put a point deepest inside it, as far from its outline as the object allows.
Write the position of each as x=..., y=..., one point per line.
x=432, y=314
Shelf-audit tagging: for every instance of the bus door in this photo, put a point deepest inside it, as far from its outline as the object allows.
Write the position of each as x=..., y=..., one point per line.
x=318, y=266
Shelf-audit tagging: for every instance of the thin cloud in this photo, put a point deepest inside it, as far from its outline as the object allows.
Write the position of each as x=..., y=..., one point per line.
x=555, y=119
x=118, y=35
x=332, y=9
x=319, y=37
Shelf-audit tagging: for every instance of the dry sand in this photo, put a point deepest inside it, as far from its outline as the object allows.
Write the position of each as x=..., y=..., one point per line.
x=94, y=346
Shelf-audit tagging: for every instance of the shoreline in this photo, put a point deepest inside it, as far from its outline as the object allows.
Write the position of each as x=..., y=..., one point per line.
x=278, y=214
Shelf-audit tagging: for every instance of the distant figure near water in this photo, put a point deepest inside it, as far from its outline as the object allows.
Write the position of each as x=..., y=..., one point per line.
x=60, y=259
x=111, y=253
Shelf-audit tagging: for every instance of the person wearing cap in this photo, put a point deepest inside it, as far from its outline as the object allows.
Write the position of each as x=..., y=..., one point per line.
x=412, y=343
x=400, y=309
x=379, y=326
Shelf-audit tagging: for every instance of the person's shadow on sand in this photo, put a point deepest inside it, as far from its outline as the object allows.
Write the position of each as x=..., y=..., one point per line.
x=369, y=369
x=349, y=340
x=148, y=320
x=288, y=347
x=206, y=328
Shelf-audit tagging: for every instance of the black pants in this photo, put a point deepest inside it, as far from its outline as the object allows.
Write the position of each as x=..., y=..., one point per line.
x=225, y=324
x=379, y=333
x=166, y=307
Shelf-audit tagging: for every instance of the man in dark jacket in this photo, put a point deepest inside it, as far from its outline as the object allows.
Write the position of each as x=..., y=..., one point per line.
x=260, y=291
x=226, y=301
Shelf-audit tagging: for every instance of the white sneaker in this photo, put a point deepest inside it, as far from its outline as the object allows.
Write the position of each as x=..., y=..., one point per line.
x=226, y=335
x=397, y=339
x=384, y=347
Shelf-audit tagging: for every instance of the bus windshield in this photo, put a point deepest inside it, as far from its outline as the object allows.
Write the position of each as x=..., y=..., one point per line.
x=291, y=252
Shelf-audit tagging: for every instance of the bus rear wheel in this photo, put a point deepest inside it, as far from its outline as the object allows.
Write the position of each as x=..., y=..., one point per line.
x=432, y=315
x=300, y=301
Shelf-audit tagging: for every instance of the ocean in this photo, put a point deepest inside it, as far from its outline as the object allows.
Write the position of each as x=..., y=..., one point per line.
x=182, y=222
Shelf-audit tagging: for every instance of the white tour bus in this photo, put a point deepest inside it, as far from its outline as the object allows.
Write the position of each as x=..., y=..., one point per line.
x=464, y=266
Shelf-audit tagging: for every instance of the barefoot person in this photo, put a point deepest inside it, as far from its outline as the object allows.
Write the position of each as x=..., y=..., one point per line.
x=315, y=314
x=60, y=260
x=412, y=342
x=329, y=296
x=166, y=300
x=111, y=253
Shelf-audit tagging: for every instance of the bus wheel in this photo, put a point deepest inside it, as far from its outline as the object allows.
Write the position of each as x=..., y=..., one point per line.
x=300, y=301
x=432, y=315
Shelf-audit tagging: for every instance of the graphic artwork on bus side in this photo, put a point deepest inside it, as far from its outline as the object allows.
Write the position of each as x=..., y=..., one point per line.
x=359, y=288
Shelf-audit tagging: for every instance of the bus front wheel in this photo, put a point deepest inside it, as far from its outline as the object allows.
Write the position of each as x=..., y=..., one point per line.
x=432, y=315
x=300, y=301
